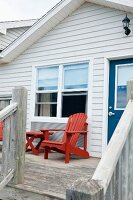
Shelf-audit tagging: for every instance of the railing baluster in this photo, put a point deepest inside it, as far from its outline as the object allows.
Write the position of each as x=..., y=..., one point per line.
x=116, y=182
x=120, y=178
x=12, y=142
x=130, y=174
x=110, y=190
x=124, y=181
x=6, y=147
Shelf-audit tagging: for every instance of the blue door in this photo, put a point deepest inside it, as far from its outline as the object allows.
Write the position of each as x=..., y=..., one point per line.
x=120, y=72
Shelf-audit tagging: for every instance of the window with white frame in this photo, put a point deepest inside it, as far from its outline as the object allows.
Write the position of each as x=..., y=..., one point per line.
x=61, y=90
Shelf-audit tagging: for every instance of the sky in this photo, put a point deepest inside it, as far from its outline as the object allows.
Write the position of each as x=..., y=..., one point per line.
x=27, y=9
x=24, y=9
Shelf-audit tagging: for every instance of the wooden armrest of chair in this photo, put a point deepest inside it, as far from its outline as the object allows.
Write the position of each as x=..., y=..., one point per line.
x=73, y=132
x=53, y=129
x=34, y=133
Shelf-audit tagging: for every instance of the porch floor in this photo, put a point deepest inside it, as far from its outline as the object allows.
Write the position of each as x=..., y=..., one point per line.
x=51, y=177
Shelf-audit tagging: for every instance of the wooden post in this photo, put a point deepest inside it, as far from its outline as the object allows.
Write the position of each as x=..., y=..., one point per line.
x=85, y=189
x=19, y=96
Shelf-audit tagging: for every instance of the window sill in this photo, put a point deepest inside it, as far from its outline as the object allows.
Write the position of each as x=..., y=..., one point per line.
x=49, y=119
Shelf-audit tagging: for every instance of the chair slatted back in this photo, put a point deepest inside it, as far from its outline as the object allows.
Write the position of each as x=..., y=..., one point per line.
x=1, y=130
x=76, y=122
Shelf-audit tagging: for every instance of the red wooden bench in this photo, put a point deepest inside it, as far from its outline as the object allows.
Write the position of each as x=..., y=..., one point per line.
x=76, y=126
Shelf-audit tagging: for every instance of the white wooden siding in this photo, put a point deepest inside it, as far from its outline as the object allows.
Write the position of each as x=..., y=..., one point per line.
x=11, y=35
x=91, y=31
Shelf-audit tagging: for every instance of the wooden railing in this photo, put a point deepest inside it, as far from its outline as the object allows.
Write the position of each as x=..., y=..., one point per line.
x=13, y=148
x=113, y=178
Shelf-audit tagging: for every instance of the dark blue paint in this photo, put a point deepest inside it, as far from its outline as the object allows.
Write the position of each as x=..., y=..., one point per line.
x=113, y=120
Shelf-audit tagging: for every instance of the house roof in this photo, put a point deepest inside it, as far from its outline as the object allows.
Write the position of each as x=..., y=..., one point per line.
x=47, y=22
x=125, y=5
x=15, y=24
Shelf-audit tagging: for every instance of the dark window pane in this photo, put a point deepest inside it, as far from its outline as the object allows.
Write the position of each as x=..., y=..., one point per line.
x=73, y=103
x=46, y=104
x=48, y=110
x=46, y=97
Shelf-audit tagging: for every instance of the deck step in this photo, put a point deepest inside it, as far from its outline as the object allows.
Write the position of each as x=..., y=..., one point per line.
x=23, y=193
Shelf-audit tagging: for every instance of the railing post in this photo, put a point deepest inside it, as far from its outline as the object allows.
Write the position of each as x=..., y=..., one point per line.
x=85, y=189
x=19, y=96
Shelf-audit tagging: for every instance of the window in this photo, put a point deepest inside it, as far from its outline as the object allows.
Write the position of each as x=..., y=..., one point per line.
x=61, y=90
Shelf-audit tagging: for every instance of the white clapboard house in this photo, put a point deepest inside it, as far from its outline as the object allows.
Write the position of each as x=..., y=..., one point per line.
x=76, y=58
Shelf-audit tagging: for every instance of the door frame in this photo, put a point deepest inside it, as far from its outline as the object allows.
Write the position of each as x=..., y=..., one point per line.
x=107, y=60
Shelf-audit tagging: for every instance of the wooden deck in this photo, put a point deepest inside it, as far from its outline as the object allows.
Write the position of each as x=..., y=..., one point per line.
x=51, y=177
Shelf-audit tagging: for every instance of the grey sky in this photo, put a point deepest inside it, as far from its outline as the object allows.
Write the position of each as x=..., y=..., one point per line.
x=24, y=9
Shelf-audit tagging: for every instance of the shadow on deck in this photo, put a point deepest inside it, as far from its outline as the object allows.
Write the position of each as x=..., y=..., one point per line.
x=51, y=177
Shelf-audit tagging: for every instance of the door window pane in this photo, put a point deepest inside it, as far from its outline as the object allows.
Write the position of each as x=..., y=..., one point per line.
x=124, y=74
x=76, y=76
x=47, y=78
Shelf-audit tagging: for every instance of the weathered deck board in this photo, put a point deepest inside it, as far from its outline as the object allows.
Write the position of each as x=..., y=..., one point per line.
x=53, y=176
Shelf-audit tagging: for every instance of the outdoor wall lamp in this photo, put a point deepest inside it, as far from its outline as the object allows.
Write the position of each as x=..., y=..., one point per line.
x=126, y=23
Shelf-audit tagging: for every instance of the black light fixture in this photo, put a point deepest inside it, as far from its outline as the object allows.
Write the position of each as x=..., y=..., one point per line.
x=126, y=23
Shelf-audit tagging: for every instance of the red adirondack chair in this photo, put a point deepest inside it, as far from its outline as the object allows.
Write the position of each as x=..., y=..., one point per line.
x=1, y=130
x=76, y=126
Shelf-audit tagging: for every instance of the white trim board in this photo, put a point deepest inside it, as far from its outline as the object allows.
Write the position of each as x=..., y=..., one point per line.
x=105, y=105
x=91, y=65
